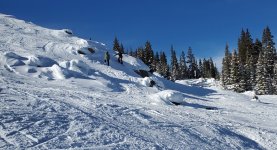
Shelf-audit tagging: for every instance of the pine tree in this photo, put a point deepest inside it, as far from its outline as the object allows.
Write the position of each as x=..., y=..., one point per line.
x=217, y=75
x=269, y=50
x=201, y=69
x=191, y=64
x=206, y=68
x=260, y=79
x=148, y=54
x=234, y=71
x=226, y=67
x=164, y=66
x=241, y=78
x=116, y=46
x=257, y=48
x=183, y=66
x=121, y=49
x=174, y=65
x=156, y=63
x=212, y=68
x=196, y=69
x=245, y=46
x=140, y=54
x=250, y=73
x=275, y=78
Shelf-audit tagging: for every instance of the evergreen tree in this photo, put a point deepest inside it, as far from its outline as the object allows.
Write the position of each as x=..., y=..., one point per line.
x=156, y=63
x=275, y=78
x=140, y=54
x=201, y=69
x=260, y=79
x=121, y=49
x=234, y=76
x=207, y=68
x=148, y=54
x=183, y=66
x=269, y=50
x=174, y=65
x=212, y=69
x=226, y=67
x=250, y=69
x=241, y=78
x=164, y=66
x=116, y=46
x=191, y=64
x=245, y=46
x=196, y=69
x=217, y=75
x=257, y=48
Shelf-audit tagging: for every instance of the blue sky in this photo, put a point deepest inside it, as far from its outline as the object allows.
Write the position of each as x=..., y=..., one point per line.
x=205, y=25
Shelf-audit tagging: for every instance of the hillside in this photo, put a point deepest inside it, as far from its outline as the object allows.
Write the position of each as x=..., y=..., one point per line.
x=57, y=94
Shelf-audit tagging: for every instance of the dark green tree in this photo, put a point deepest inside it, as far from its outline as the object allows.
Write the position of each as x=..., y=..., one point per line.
x=148, y=54
x=174, y=65
x=183, y=66
x=116, y=46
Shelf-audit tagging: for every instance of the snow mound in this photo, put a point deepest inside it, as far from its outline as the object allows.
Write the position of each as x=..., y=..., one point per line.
x=54, y=72
x=77, y=66
x=13, y=59
x=202, y=82
x=40, y=61
x=252, y=95
x=145, y=81
x=167, y=97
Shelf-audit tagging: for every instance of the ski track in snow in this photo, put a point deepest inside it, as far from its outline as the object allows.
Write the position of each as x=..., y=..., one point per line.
x=54, y=98
x=47, y=116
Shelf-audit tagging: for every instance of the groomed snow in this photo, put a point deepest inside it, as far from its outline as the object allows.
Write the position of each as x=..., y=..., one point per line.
x=54, y=97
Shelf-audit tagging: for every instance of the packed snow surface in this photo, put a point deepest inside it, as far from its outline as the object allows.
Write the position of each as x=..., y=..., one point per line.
x=56, y=93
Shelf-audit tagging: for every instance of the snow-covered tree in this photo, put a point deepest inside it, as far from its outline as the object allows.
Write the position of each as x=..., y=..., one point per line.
x=234, y=74
x=226, y=67
x=269, y=50
x=260, y=76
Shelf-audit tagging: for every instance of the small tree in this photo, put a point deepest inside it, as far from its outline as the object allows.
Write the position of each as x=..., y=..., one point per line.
x=116, y=46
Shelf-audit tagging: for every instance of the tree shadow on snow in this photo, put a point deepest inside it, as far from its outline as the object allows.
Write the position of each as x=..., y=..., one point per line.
x=198, y=91
x=246, y=142
x=115, y=83
x=199, y=106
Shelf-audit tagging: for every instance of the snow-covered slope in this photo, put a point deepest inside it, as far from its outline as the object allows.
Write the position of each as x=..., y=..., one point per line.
x=56, y=94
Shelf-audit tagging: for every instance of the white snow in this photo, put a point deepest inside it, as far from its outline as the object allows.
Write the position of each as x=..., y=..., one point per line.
x=54, y=97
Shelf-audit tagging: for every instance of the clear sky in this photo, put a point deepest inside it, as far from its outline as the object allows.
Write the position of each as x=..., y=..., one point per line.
x=205, y=25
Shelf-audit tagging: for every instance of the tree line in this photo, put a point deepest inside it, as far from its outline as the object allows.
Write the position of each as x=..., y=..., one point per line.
x=183, y=67
x=253, y=66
